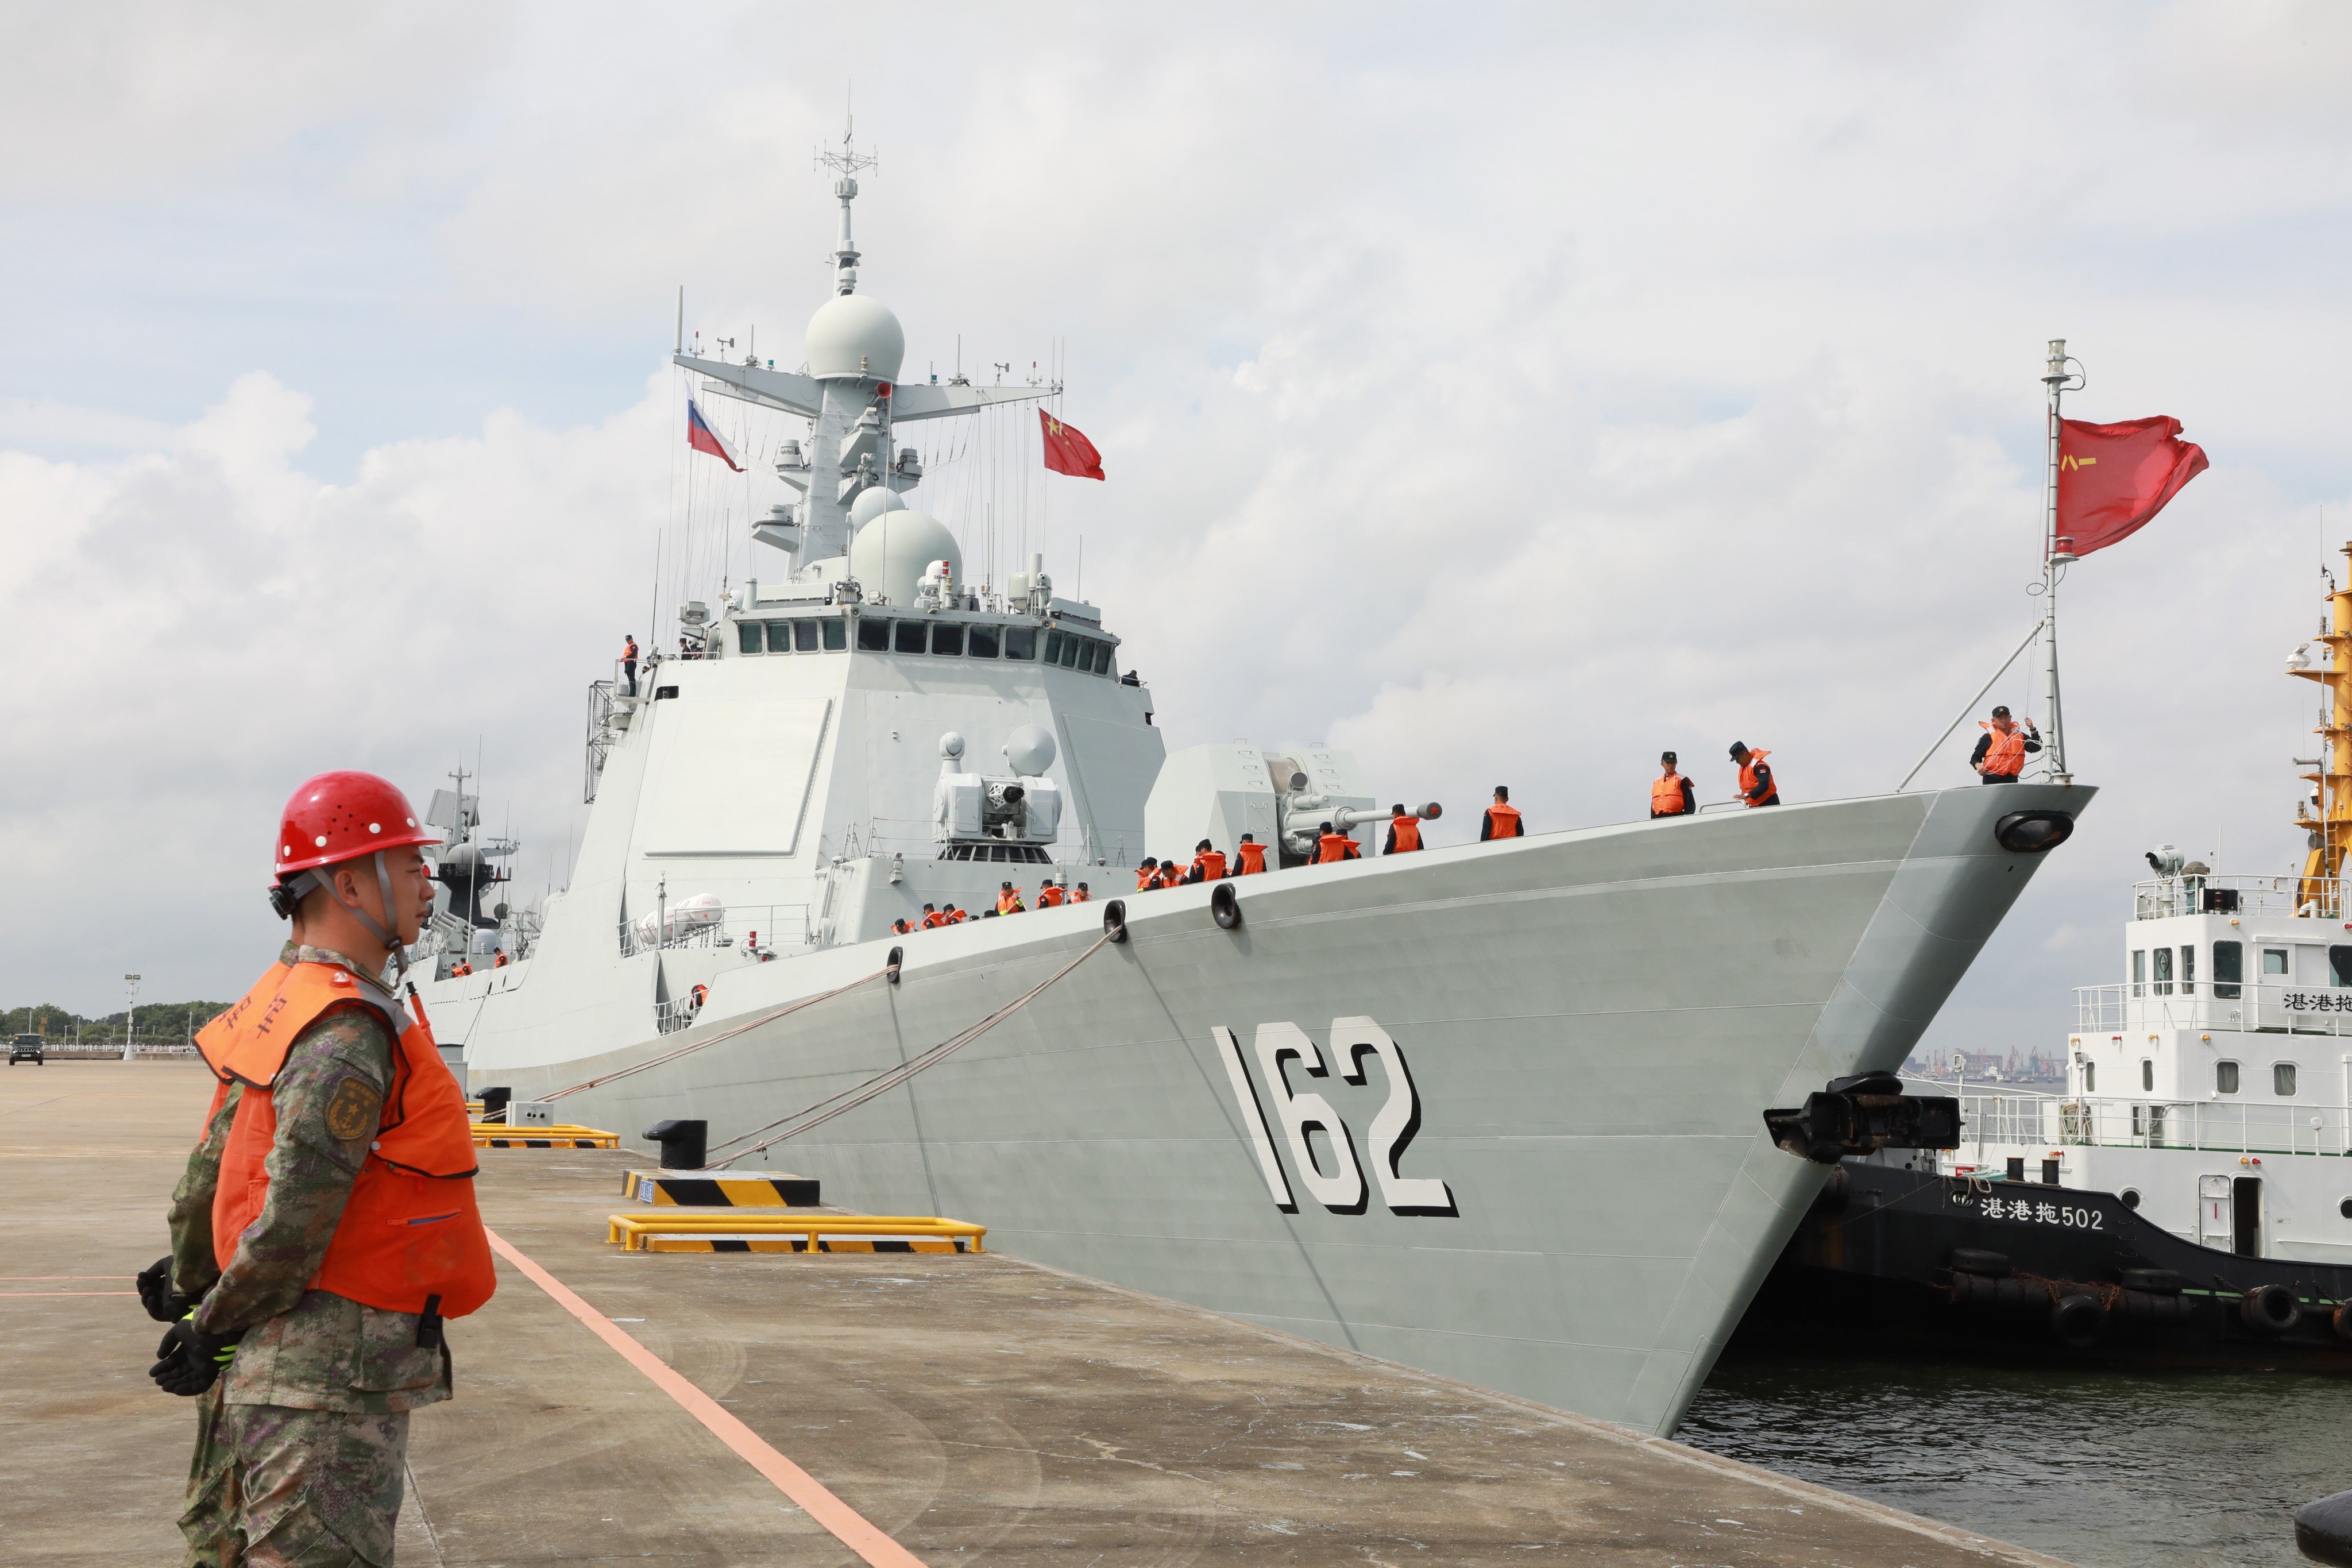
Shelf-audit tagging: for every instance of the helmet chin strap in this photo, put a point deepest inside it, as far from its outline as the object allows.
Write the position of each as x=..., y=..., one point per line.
x=302, y=884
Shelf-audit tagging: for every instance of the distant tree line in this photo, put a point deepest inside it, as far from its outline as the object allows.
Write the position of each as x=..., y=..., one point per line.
x=157, y=1021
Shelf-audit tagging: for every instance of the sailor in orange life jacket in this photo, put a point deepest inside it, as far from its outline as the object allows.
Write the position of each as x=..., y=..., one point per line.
x=1080, y=896
x=1333, y=845
x=1251, y=855
x=901, y=927
x=956, y=917
x=2000, y=751
x=328, y=1212
x=1008, y=901
x=1171, y=872
x=1147, y=876
x=1404, y=831
x=1208, y=864
x=1502, y=817
x=1671, y=793
x=932, y=919
x=1757, y=784
x=1048, y=895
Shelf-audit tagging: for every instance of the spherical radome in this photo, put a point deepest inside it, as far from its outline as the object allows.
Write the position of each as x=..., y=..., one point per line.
x=1030, y=751
x=853, y=334
x=891, y=554
x=872, y=502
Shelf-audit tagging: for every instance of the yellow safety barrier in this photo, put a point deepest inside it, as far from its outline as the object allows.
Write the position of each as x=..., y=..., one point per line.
x=721, y=1189
x=740, y=1232
x=473, y=1105
x=499, y=1135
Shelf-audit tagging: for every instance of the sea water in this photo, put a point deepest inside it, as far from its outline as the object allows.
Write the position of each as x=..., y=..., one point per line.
x=2102, y=1467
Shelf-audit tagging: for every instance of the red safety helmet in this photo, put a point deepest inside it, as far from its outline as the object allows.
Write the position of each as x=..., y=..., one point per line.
x=342, y=816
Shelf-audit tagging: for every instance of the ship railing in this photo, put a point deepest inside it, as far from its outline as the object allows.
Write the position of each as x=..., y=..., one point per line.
x=757, y=927
x=674, y=1014
x=2162, y=898
x=2214, y=1126
x=600, y=736
x=2269, y=1006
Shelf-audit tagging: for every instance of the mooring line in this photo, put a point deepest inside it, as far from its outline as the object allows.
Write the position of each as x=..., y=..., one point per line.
x=669, y=1056
x=826, y=1110
x=852, y=1529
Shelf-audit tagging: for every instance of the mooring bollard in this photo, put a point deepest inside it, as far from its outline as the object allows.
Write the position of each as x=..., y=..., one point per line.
x=494, y=1103
x=684, y=1145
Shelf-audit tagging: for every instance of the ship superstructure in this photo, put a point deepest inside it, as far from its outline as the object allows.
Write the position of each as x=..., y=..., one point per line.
x=1492, y=1109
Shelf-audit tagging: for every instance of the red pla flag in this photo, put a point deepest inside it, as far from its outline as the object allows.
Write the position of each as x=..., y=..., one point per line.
x=1068, y=451
x=2113, y=478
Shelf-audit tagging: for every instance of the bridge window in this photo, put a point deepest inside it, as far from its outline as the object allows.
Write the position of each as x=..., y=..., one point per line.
x=984, y=642
x=1021, y=642
x=911, y=636
x=1074, y=649
x=2273, y=962
x=2282, y=1079
x=2339, y=966
x=2188, y=971
x=1053, y=647
x=947, y=639
x=2139, y=973
x=837, y=635
x=2229, y=969
x=746, y=636
x=2163, y=968
x=2225, y=1077
x=873, y=637
x=1102, y=658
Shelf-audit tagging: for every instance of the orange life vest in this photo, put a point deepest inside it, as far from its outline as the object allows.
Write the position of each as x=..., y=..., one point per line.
x=1407, y=830
x=1211, y=864
x=933, y=920
x=1006, y=903
x=411, y=1229
x=1748, y=780
x=1048, y=896
x=1081, y=896
x=1170, y=874
x=1253, y=858
x=1146, y=879
x=2005, y=758
x=957, y=917
x=1503, y=822
x=1333, y=847
x=1666, y=796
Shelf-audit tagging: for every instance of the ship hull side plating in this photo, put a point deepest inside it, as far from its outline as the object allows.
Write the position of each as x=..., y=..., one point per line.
x=1592, y=1023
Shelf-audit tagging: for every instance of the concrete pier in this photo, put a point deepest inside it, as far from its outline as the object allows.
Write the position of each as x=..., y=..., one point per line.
x=970, y=1408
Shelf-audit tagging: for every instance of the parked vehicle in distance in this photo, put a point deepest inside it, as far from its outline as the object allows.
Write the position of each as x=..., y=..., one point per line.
x=26, y=1048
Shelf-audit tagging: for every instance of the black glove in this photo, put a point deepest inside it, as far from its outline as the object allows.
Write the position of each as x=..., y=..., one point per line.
x=190, y=1361
x=163, y=1304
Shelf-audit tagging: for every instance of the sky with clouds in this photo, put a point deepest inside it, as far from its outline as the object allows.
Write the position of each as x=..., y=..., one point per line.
x=1505, y=392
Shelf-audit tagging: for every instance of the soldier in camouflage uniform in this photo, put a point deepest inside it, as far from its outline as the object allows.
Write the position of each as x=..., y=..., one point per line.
x=302, y=1437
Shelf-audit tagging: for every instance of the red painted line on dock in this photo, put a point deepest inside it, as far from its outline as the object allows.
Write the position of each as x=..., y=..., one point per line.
x=848, y=1526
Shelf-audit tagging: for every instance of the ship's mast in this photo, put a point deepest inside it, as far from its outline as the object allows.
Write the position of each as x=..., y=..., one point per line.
x=2057, y=555
x=2331, y=830
x=846, y=165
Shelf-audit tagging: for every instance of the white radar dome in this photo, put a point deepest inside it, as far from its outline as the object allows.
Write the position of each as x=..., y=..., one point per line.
x=852, y=334
x=1031, y=751
x=891, y=553
x=872, y=502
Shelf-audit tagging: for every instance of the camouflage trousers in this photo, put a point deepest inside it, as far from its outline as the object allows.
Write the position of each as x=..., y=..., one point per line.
x=272, y=1487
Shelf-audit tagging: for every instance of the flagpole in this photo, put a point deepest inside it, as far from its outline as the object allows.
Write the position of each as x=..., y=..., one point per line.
x=2057, y=555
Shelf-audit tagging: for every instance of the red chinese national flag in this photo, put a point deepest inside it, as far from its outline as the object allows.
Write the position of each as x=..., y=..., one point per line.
x=1068, y=451
x=2113, y=478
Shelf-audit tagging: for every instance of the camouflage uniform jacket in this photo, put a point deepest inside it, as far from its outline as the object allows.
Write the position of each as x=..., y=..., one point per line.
x=304, y=1348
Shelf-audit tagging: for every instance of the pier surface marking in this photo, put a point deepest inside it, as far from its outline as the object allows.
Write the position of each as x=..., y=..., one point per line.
x=848, y=1526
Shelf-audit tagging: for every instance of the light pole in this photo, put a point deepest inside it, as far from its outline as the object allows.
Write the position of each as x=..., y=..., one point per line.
x=131, y=1017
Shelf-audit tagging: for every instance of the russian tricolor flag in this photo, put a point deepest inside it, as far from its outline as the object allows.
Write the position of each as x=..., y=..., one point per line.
x=703, y=439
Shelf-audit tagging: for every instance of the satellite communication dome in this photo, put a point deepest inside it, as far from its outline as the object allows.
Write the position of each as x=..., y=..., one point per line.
x=1031, y=751
x=872, y=502
x=852, y=334
x=891, y=553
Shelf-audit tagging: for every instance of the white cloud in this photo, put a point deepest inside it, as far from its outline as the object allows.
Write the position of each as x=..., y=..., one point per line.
x=1506, y=397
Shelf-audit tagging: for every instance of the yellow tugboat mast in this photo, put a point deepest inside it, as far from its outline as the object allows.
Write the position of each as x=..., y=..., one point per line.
x=2331, y=830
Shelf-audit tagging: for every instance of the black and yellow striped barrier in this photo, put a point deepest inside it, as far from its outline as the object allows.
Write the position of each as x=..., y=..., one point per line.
x=742, y=1232
x=721, y=1189
x=563, y=1135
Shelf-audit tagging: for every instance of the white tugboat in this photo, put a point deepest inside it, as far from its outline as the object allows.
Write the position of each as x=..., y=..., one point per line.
x=2189, y=1195
x=1492, y=1109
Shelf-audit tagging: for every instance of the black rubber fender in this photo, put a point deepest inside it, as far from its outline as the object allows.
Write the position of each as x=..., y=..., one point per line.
x=1226, y=907
x=1975, y=1260
x=2078, y=1320
x=2270, y=1308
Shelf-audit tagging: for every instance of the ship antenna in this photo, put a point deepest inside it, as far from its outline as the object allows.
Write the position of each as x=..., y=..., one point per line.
x=846, y=164
x=2064, y=374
